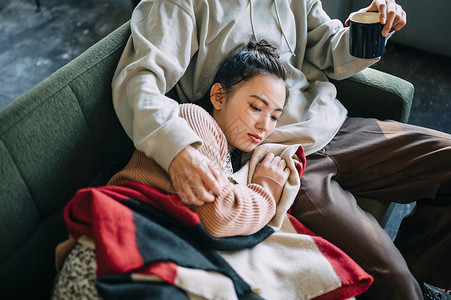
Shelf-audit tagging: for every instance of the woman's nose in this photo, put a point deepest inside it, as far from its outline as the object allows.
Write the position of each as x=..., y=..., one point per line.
x=263, y=122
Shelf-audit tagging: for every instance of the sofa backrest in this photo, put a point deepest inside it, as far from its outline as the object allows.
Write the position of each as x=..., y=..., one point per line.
x=60, y=136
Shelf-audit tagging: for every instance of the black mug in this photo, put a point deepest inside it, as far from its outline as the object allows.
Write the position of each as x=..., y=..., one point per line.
x=365, y=36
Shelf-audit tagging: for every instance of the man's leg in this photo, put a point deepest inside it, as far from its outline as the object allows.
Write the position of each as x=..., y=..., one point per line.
x=389, y=161
x=328, y=210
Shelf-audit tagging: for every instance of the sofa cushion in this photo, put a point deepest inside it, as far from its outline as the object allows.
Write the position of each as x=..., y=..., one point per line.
x=16, y=204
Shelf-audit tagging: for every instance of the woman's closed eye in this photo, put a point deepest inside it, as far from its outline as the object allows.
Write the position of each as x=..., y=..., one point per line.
x=255, y=107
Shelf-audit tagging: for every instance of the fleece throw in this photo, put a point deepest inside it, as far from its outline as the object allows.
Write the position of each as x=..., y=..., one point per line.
x=149, y=245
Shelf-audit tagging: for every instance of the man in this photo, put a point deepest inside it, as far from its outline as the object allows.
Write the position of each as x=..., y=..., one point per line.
x=181, y=43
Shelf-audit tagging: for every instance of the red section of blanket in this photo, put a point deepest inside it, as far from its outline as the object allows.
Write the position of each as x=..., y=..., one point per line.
x=166, y=271
x=301, y=161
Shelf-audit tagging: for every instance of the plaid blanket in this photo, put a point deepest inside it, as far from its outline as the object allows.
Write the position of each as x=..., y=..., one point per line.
x=149, y=245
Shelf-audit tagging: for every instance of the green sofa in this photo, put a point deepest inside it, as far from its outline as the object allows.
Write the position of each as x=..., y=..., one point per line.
x=63, y=135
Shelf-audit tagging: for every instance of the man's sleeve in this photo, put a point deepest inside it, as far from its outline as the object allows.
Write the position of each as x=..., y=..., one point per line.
x=162, y=42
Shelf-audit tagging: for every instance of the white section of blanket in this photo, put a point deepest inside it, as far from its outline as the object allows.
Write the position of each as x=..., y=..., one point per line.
x=286, y=265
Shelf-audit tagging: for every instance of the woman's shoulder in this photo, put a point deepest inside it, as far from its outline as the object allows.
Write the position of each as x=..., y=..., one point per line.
x=194, y=110
x=196, y=116
x=206, y=127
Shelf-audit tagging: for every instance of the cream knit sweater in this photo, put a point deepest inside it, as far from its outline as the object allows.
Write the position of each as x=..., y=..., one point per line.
x=239, y=209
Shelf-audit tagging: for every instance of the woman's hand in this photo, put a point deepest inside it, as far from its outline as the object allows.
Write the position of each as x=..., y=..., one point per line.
x=274, y=167
x=272, y=173
x=194, y=177
x=391, y=15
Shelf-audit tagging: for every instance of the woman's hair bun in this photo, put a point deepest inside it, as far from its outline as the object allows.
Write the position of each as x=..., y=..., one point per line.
x=264, y=47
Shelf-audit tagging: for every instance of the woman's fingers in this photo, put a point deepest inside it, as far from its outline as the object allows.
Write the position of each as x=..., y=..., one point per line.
x=282, y=163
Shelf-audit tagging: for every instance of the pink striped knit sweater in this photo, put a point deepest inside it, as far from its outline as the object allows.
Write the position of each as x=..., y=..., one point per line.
x=239, y=209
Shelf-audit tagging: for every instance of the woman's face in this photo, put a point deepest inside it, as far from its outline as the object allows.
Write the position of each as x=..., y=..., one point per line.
x=250, y=114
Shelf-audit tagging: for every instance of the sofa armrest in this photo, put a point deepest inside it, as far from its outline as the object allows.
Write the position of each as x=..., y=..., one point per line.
x=375, y=94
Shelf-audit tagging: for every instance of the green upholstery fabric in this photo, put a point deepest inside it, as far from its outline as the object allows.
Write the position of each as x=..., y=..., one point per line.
x=375, y=94
x=64, y=135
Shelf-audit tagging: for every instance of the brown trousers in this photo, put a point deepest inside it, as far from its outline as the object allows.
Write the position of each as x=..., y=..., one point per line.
x=388, y=161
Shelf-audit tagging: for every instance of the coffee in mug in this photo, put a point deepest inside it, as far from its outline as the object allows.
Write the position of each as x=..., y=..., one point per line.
x=365, y=36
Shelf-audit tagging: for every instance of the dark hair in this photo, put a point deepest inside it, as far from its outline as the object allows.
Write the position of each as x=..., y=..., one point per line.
x=254, y=59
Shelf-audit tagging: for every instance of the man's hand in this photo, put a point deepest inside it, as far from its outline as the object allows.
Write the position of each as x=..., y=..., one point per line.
x=391, y=15
x=194, y=177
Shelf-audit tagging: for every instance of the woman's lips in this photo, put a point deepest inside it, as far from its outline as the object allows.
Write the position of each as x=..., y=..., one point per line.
x=255, y=138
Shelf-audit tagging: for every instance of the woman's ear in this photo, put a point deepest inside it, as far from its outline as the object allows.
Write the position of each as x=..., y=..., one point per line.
x=217, y=96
